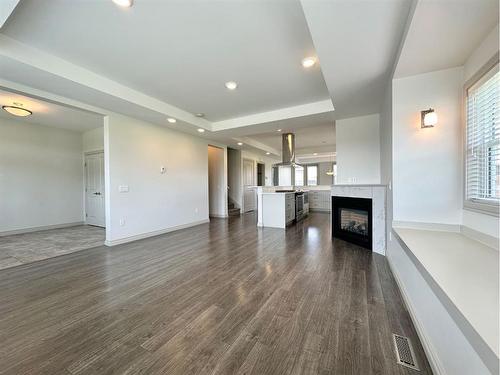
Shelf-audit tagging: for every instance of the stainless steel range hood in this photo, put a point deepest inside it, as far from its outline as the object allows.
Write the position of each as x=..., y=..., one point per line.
x=288, y=150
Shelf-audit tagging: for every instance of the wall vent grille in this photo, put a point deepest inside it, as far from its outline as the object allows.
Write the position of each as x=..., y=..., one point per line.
x=404, y=352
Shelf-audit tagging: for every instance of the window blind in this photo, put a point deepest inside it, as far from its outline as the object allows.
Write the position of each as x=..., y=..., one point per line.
x=483, y=140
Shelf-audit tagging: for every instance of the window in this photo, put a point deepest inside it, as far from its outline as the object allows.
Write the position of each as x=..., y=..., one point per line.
x=312, y=175
x=285, y=176
x=482, y=159
x=299, y=176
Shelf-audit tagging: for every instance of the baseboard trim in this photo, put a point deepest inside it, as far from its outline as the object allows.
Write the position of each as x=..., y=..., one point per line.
x=39, y=229
x=437, y=367
x=141, y=236
x=219, y=216
x=484, y=238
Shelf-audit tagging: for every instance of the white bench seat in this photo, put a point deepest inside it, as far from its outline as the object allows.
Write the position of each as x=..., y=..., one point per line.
x=464, y=274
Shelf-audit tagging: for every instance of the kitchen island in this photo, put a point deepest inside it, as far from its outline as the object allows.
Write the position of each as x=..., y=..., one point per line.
x=275, y=209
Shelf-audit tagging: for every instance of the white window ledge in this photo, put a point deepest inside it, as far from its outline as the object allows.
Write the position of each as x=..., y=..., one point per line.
x=464, y=275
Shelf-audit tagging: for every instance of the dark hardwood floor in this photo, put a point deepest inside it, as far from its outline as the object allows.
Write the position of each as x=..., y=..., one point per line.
x=220, y=298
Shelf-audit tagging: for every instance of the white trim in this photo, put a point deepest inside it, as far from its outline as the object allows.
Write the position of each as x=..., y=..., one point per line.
x=430, y=352
x=38, y=229
x=439, y=227
x=141, y=236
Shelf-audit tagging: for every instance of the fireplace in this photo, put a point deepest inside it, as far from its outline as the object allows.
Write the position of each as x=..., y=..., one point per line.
x=352, y=220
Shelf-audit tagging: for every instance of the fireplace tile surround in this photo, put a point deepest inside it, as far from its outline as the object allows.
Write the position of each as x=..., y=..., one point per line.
x=377, y=193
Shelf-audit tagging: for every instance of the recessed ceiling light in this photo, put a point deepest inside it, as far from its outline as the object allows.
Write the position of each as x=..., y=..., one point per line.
x=315, y=154
x=231, y=85
x=240, y=143
x=200, y=115
x=278, y=130
x=200, y=130
x=172, y=120
x=16, y=110
x=268, y=153
x=124, y=3
x=309, y=62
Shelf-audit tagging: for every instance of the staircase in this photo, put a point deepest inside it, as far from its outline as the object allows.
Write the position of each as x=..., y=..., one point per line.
x=231, y=210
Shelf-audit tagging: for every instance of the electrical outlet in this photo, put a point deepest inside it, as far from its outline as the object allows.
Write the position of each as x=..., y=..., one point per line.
x=122, y=222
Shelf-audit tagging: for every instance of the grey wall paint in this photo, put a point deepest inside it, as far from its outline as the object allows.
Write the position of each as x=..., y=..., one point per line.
x=41, y=176
x=135, y=151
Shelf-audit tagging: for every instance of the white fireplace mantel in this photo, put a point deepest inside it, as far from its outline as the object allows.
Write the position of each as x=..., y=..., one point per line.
x=377, y=193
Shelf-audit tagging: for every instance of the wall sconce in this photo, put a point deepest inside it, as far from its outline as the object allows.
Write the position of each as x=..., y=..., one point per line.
x=428, y=118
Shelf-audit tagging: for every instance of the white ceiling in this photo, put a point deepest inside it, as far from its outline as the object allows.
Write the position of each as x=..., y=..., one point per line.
x=50, y=114
x=357, y=43
x=170, y=58
x=182, y=52
x=444, y=33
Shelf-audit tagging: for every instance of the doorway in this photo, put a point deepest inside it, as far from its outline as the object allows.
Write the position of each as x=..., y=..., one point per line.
x=261, y=174
x=217, y=202
x=94, y=189
x=249, y=190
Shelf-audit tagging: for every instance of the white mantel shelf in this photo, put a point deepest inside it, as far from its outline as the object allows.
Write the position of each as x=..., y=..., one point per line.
x=376, y=193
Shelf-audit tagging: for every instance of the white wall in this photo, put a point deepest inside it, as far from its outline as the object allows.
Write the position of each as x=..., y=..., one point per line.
x=217, y=181
x=134, y=152
x=485, y=51
x=427, y=174
x=386, y=155
x=41, y=176
x=358, y=150
x=93, y=140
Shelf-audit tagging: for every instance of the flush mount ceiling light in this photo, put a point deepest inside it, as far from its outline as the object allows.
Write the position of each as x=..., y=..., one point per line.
x=278, y=130
x=428, y=118
x=124, y=3
x=240, y=143
x=200, y=130
x=200, y=115
x=315, y=154
x=172, y=120
x=231, y=85
x=309, y=62
x=268, y=153
x=17, y=110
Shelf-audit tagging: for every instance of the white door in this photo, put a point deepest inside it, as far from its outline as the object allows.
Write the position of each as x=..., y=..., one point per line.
x=94, y=189
x=249, y=190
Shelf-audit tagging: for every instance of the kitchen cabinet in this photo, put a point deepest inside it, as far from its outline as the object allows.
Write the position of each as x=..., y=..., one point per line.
x=319, y=200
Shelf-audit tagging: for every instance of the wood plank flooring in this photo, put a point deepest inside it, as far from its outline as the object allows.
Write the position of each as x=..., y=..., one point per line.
x=219, y=298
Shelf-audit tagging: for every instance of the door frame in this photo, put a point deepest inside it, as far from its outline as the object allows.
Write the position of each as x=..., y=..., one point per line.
x=85, y=154
x=225, y=187
x=254, y=180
